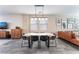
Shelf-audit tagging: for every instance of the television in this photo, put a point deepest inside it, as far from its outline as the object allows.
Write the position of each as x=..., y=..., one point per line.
x=3, y=25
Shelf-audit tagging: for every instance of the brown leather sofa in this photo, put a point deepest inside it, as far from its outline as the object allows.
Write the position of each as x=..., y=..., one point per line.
x=69, y=36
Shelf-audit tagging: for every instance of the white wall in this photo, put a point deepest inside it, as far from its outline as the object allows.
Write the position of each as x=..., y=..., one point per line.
x=12, y=20
x=51, y=23
x=23, y=21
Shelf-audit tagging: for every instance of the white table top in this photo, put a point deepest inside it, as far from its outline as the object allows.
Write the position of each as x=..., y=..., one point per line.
x=38, y=34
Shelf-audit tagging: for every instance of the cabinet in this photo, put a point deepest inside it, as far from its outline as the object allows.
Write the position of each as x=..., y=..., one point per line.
x=16, y=33
x=4, y=34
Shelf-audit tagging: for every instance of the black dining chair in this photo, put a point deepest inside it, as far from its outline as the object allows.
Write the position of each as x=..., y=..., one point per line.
x=45, y=39
x=33, y=39
x=23, y=41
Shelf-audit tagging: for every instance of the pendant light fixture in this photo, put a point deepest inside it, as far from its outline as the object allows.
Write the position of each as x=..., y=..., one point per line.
x=39, y=10
x=39, y=14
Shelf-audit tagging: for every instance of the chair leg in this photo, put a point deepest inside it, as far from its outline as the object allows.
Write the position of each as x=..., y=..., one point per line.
x=48, y=43
x=55, y=43
x=22, y=43
x=29, y=43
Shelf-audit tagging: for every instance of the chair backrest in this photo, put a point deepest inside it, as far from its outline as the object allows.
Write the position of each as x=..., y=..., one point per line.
x=25, y=38
x=44, y=38
x=53, y=37
x=34, y=38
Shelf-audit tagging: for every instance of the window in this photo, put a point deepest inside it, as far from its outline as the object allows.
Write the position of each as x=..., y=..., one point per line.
x=68, y=23
x=43, y=23
x=76, y=24
x=40, y=24
x=71, y=23
x=33, y=24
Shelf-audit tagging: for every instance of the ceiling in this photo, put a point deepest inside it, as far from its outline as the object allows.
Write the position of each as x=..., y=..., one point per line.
x=30, y=9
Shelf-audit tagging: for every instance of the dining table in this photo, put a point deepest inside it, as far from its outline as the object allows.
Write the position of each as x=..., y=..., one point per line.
x=39, y=34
